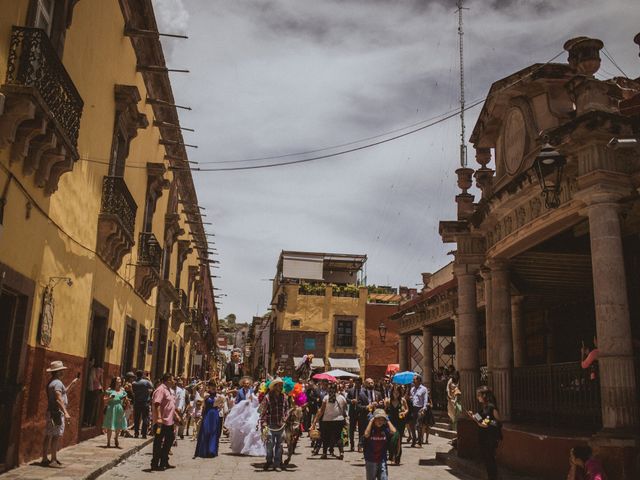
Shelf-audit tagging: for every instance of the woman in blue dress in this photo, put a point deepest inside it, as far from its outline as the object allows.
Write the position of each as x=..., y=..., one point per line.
x=211, y=426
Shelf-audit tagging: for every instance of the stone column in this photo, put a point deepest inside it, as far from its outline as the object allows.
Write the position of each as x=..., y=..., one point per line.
x=486, y=276
x=456, y=328
x=613, y=326
x=501, y=340
x=402, y=353
x=518, y=333
x=427, y=356
x=467, y=335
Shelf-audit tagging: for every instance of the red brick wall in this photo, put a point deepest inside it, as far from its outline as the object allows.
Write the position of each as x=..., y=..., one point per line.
x=379, y=354
x=34, y=401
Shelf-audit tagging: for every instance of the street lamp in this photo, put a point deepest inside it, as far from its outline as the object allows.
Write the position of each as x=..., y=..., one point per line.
x=548, y=166
x=382, y=331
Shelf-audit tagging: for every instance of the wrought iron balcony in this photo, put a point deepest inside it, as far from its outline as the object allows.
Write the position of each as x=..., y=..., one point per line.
x=149, y=261
x=42, y=116
x=116, y=221
x=180, y=310
x=33, y=62
x=149, y=251
x=183, y=302
x=117, y=200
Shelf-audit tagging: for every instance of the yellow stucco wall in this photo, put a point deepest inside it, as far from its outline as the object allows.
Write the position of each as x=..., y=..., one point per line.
x=97, y=56
x=317, y=314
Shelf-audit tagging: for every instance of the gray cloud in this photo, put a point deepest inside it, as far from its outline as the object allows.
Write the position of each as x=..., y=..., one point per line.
x=279, y=76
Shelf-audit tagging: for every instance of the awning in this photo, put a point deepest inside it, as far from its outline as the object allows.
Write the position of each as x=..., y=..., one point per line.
x=348, y=364
x=315, y=363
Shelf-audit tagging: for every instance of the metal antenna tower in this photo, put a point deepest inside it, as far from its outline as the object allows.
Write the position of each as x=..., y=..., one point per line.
x=463, y=146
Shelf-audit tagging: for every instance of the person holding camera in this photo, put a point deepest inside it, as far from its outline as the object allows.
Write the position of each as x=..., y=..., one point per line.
x=376, y=440
x=57, y=414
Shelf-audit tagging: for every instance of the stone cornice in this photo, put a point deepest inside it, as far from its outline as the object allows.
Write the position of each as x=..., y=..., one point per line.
x=139, y=14
x=589, y=128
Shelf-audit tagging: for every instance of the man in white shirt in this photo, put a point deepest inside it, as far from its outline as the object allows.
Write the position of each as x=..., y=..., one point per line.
x=419, y=397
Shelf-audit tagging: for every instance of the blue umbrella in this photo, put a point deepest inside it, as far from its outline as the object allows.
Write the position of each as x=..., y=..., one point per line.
x=403, y=378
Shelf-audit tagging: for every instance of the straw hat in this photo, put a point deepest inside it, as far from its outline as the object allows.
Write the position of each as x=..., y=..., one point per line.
x=379, y=413
x=55, y=366
x=274, y=382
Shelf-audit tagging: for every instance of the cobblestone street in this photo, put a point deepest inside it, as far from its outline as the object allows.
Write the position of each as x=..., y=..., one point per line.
x=416, y=463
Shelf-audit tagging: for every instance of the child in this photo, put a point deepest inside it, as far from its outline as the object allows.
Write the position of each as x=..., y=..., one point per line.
x=197, y=415
x=376, y=439
x=584, y=466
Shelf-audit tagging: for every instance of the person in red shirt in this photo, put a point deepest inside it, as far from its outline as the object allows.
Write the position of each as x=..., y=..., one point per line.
x=164, y=417
x=376, y=439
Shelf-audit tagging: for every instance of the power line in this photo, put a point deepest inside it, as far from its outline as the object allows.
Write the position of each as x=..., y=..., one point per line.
x=105, y=161
x=380, y=142
x=342, y=152
x=331, y=147
x=610, y=57
x=440, y=119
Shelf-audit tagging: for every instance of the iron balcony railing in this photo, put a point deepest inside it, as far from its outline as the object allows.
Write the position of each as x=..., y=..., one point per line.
x=118, y=201
x=149, y=251
x=194, y=316
x=182, y=303
x=561, y=394
x=33, y=62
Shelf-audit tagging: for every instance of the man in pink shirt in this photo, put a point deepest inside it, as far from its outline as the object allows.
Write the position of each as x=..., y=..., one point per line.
x=164, y=416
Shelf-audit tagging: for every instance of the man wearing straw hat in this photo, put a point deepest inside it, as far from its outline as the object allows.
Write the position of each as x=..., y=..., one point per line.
x=57, y=414
x=275, y=410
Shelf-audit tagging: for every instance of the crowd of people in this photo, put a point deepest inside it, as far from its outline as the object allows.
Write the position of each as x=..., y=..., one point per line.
x=261, y=417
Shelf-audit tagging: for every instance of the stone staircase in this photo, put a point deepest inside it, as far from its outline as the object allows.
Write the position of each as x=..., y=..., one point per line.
x=442, y=427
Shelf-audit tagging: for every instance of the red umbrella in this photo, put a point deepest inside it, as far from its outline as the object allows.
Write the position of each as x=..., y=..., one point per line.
x=392, y=368
x=324, y=376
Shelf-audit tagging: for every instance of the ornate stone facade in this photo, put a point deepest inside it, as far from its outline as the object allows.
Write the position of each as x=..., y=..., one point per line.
x=533, y=254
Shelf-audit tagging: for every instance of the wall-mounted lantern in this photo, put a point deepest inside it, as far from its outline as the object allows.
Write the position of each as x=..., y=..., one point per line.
x=382, y=331
x=549, y=165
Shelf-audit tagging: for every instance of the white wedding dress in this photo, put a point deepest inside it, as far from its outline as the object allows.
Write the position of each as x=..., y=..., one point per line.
x=241, y=423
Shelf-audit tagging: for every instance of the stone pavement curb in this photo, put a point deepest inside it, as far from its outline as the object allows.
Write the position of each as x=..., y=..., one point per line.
x=76, y=461
x=109, y=465
x=476, y=469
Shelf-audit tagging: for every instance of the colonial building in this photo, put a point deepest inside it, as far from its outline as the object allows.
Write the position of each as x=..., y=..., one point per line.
x=319, y=308
x=547, y=260
x=103, y=255
x=382, y=339
x=259, y=343
x=426, y=327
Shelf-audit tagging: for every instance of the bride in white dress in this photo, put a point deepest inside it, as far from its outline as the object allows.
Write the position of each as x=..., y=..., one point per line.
x=242, y=420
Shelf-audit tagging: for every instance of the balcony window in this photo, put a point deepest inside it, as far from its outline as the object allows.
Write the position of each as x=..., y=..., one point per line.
x=345, y=332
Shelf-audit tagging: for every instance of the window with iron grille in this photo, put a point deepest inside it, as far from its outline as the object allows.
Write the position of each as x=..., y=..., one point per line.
x=345, y=332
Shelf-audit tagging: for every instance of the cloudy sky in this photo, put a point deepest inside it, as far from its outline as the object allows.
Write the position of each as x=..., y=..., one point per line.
x=274, y=77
